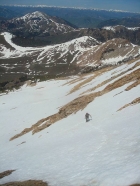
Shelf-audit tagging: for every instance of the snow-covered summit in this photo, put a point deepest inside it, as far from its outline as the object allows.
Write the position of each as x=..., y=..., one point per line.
x=41, y=24
x=34, y=15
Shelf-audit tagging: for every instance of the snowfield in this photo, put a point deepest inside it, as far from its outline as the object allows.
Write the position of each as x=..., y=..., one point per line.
x=102, y=152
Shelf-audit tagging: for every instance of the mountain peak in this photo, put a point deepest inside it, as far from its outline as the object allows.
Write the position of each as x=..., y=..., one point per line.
x=39, y=24
x=34, y=15
x=38, y=13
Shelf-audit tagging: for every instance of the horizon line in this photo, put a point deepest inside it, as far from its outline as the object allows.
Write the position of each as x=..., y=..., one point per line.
x=50, y=6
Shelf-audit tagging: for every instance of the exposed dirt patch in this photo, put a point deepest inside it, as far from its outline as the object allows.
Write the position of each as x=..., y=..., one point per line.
x=96, y=74
x=134, y=102
x=135, y=185
x=136, y=83
x=6, y=173
x=133, y=76
x=114, y=77
x=26, y=183
x=78, y=86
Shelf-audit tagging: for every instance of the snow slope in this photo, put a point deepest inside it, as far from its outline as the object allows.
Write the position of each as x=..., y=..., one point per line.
x=103, y=152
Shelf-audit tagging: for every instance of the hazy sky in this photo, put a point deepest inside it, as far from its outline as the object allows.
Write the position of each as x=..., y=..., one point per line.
x=127, y=5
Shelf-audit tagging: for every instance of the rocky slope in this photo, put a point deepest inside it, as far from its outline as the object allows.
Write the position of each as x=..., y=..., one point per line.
x=110, y=32
x=112, y=52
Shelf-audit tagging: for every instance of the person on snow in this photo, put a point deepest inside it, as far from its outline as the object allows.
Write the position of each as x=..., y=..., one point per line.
x=87, y=117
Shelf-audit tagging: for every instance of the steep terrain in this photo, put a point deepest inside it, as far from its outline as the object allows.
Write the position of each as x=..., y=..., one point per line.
x=44, y=135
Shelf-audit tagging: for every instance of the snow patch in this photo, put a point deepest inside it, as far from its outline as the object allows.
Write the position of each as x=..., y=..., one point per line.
x=109, y=28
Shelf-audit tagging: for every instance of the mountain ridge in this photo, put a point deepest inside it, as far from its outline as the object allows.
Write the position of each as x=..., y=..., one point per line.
x=80, y=18
x=80, y=55
x=38, y=29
